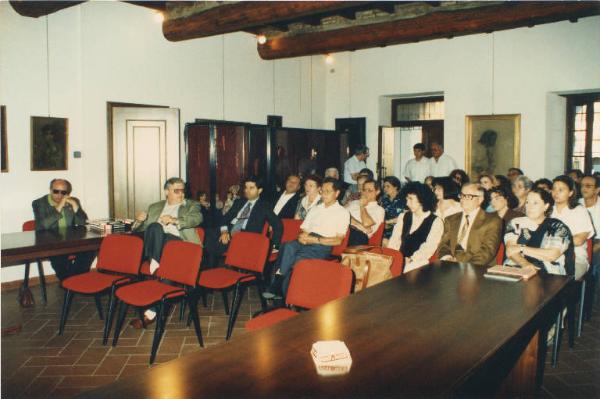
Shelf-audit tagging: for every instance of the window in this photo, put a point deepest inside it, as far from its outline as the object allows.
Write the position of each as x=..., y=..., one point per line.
x=583, y=132
x=423, y=117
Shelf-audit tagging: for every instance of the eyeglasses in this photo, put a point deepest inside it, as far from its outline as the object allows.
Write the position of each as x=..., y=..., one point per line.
x=63, y=192
x=468, y=196
x=178, y=190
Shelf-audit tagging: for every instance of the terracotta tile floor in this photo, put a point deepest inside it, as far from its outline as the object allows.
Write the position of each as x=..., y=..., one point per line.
x=36, y=363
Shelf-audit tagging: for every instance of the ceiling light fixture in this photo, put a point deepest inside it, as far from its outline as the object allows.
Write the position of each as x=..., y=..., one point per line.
x=159, y=17
x=329, y=59
x=261, y=39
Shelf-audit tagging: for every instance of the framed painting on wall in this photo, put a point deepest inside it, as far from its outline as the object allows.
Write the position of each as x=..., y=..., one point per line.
x=49, y=139
x=3, y=142
x=492, y=143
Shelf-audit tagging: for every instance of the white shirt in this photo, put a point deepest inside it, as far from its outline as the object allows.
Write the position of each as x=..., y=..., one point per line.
x=327, y=221
x=578, y=220
x=173, y=211
x=443, y=166
x=421, y=256
x=352, y=165
x=453, y=209
x=376, y=212
x=418, y=170
x=594, y=215
x=472, y=217
x=283, y=199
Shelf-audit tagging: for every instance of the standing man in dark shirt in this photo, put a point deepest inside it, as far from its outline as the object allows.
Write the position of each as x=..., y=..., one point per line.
x=58, y=211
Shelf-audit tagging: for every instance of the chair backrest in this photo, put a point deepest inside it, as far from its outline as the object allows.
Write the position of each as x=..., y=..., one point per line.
x=590, y=249
x=500, y=254
x=398, y=263
x=180, y=262
x=248, y=251
x=291, y=229
x=29, y=225
x=315, y=282
x=377, y=238
x=339, y=249
x=201, y=234
x=120, y=253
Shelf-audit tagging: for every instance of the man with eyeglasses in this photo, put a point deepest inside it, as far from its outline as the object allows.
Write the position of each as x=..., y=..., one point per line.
x=472, y=235
x=58, y=210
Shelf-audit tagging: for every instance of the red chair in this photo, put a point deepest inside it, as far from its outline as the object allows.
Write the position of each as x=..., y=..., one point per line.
x=145, y=269
x=291, y=229
x=244, y=265
x=500, y=254
x=377, y=238
x=179, y=264
x=30, y=226
x=118, y=263
x=338, y=250
x=314, y=282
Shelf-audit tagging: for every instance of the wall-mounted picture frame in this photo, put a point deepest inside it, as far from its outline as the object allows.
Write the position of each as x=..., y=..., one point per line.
x=492, y=144
x=49, y=143
x=3, y=141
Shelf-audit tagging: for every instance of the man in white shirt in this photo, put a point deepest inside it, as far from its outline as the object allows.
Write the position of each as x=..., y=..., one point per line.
x=366, y=215
x=325, y=226
x=286, y=204
x=441, y=163
x=418, y=168
x=355, y=164
x=472, y=235
x=590, y=189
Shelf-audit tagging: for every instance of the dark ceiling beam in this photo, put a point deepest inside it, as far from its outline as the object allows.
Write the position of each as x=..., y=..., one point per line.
x=438, y=24
x=154, y=5
x=244, y=15
x=36, y=9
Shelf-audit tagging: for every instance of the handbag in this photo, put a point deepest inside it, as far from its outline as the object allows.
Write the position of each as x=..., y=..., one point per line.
x=369, y=267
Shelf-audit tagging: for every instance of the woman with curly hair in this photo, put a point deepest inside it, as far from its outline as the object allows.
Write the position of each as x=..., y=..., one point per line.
x=503, y=202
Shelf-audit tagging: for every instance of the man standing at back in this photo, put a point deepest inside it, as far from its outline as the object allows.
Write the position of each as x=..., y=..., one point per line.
x=355, y=164
x=418, y=168
x=58, y=210
x=472, y=235
x=441, y=163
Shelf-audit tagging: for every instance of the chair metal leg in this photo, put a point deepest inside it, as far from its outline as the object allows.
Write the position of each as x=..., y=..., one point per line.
x=556, y=339
x=26, y=278
x=120, y=319
x=193, y=305
x=261, y=288
x=110, y=313
x=158, y=330
x=225, y=301
x=99, y=306
x=42, y=281
x=181, y=310
x=571, y=306
x=65, y=311
x=238, y=295
x=204, y=300
x=581, y=303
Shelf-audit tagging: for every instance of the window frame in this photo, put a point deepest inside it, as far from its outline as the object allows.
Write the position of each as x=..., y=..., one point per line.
x=572, y=102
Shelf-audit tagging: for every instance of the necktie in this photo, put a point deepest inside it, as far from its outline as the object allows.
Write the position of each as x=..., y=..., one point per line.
x=463, y=231
x=239, y=224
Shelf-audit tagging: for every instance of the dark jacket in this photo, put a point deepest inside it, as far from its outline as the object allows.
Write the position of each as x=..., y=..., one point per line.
x=261, y=212
x=46, y=216
x=289, y=209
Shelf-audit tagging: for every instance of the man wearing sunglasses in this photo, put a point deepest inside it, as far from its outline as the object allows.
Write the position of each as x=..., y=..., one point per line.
x=472, y=235
x=58, y=210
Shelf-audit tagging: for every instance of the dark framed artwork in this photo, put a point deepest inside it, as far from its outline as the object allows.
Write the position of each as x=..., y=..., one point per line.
x=493, y=144
x=49, y=143
x=3, y=140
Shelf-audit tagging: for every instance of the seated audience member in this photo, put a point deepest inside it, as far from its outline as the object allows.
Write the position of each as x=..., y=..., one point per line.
x=365, y=214
x=332, y=172
x=460, y=177
x=576, y=175
x=246, y=214
x=487, y=181
x=202, y=197
x=575, y=217
x=351, y=195
x=58, y=210
x=537, y=240
x=429, y=182
x=520, y=188
x=446, y=192
x=311, y=198
x=513, y=173
x=366, y=172
x=286, y=204
x=419, y=167
x=503, y=181
x=392, y=203
x=472, y=235
x=503, y=202
x=233, y=193
x=544, y=184
x=590, y=189
x=418, y=231
x=325, y=226
x=172, y=219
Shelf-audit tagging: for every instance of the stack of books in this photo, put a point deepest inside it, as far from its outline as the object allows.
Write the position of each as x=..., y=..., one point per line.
x=109, y=225
x=331, y=358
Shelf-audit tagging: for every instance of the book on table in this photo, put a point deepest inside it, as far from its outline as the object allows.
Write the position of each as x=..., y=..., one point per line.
x=513, y=272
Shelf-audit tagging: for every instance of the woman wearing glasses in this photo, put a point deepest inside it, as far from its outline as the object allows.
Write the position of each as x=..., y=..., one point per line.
x=418, y=230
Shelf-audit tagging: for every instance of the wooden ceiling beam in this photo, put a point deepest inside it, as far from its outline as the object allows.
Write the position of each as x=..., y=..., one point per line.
x=36, y=9
x=438, y=24
x=243, y=15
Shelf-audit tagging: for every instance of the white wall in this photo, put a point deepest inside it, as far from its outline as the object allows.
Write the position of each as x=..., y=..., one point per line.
x=520, y=66
x=113, y=51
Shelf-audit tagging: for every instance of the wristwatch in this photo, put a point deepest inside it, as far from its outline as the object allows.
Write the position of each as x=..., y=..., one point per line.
x=521, y=248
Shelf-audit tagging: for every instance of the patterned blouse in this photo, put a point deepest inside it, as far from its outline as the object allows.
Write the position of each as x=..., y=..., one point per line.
x=393, y=208
x=304, y=207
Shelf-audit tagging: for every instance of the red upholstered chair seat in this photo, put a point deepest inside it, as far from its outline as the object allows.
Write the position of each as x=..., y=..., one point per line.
x=146, y=293
x=269, y=318
x=92, y=282
x=221, y=278
x=145, y=268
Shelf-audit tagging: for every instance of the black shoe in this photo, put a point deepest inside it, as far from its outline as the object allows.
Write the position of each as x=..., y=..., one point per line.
x=274, y=289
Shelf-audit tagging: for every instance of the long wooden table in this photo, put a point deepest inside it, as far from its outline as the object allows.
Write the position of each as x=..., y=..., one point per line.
x=20, y=247
x=443, y=330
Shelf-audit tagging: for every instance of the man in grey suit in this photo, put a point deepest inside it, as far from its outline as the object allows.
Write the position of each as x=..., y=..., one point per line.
x=58, y=210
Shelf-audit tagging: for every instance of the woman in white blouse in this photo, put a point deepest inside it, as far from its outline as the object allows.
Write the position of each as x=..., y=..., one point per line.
x=576, y=217
x=446, y=192
x=312, y=188
x=418, y=231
